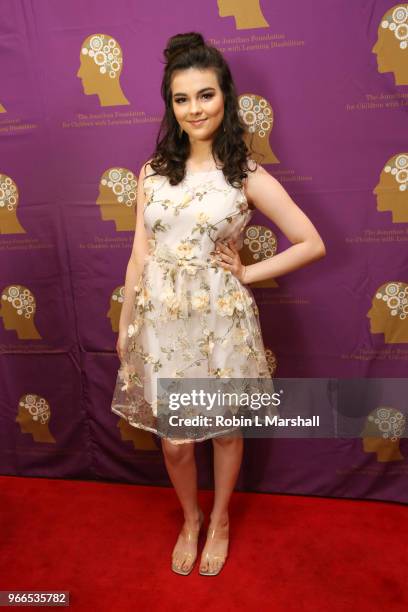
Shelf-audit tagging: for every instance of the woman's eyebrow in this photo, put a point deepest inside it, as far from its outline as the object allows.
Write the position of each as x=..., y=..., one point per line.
x=179, y=93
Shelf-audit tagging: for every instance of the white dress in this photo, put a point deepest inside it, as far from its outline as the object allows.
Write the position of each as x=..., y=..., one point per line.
x=191, y=317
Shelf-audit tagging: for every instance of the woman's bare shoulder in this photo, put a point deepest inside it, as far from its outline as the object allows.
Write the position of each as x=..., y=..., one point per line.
x=254, y=170
x=259, y=177
x=146, y=169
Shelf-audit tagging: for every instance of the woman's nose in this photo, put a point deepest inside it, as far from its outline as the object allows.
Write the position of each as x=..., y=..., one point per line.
x=195, y=107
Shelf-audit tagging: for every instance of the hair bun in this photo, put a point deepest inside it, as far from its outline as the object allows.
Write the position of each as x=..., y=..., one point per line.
x=182, y=42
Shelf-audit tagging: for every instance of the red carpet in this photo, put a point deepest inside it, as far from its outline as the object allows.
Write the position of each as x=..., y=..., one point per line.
x=110, y=546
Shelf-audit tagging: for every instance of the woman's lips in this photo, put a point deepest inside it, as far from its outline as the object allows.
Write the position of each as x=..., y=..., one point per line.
x=197, y=123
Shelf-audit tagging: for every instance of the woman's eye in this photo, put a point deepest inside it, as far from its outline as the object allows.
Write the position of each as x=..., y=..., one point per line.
x=206, y=96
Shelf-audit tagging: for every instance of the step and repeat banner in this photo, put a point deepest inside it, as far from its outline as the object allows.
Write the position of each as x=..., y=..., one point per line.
x=323, y=91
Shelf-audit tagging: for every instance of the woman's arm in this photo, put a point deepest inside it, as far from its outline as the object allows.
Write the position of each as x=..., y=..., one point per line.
x=135, y=265
x=267, y=194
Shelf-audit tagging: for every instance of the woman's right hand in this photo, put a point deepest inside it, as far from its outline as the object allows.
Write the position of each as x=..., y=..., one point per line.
x=121, y=344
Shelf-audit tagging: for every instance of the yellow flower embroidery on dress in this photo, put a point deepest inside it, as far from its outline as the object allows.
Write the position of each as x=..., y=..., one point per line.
x=129, y=377
x=200, y=300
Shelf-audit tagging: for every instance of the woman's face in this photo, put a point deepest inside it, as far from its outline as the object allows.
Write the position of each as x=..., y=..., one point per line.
x=196, y=95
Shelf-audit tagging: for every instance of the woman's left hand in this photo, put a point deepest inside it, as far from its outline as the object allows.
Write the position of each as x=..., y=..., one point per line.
x=227, y=256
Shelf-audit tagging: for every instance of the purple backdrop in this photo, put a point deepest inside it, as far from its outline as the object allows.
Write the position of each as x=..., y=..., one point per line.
x=340, y=119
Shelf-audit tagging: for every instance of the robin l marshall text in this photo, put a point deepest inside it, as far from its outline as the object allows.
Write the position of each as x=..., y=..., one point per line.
x=208, y=421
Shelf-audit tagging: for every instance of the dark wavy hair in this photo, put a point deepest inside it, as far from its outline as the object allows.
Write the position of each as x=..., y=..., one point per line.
x=172, y=150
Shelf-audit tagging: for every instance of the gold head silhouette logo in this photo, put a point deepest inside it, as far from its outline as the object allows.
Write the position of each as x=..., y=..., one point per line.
x=391, y=47
x=117, y=198
x=392, y=188
x=382, y=432
x=2, y=109
x=142, y=440
x=33, y=417
x=116, y=301
x=18, y=310
x=259, y=243
x=247, y=13
x=101, y=62
x=257, y=114
x=389, y=312
x=9, y=223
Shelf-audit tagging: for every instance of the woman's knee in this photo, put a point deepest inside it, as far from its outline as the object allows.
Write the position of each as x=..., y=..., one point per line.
x=178, y=452
x=228, y=440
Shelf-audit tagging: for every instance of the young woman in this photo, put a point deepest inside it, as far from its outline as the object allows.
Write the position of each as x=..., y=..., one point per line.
x=187, y=312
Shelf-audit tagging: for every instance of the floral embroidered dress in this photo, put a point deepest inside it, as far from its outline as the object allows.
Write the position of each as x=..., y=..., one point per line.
x=191, y=317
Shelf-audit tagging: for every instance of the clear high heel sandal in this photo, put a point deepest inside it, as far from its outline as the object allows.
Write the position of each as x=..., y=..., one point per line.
x=190, y=536
x=212, y=534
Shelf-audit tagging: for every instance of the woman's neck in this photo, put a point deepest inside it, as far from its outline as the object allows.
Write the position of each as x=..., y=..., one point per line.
x=201, y=155
x=195, y=164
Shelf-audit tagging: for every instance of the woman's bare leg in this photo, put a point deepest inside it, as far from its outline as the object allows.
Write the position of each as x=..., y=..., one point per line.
x=182, y=469
x=228, y=451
